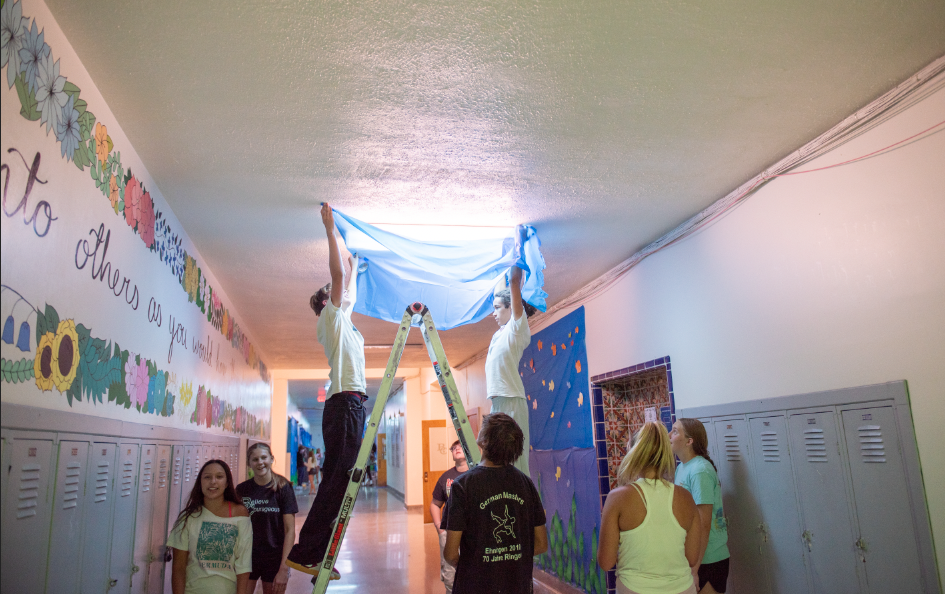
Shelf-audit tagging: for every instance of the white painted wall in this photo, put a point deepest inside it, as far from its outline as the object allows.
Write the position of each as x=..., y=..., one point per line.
x=819, y=281
x=395, y=427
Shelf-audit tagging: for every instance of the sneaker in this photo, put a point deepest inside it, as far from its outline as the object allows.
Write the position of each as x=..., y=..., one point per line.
x=311, y=569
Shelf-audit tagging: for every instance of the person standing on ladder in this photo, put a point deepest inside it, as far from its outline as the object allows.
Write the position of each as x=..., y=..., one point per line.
x=343, y=418
x=504, y=385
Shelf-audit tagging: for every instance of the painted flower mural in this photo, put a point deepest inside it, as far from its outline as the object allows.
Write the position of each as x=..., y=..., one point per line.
x=50, y=96
x=68, y=133
x=65, y=355
x=35, y=49
x=114, y=196
x=42, y=368
x=13, y=28
x=146, y=219
x=102, y=142
x=133, y=193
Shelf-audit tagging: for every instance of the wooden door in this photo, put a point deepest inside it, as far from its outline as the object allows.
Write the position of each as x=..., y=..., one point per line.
x=436, y=460
x=381, y=459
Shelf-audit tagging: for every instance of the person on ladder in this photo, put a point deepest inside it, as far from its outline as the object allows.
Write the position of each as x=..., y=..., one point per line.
x=504, y=385
x=343, y=418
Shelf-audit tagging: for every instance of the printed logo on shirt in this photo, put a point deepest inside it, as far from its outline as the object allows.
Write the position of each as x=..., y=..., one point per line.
x=506, y=525
x=258, y=505
x=720, y=522
x=449, y=485
x=215, y=545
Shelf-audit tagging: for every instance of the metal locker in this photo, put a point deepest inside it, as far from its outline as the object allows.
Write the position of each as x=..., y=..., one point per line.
x=159, y=529
x=826, y=524
x=26, y=515
x=177, y=498
x=741, y=510
x=100, y=497
x=69, y=501
x=710, y=434
x=780, y=522
x=142, y=546
x=886, y=543
x=123, y=519
x=205, y=455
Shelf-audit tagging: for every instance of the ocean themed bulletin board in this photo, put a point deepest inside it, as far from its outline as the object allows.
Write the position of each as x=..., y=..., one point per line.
x=107, y=308
x=563, y=462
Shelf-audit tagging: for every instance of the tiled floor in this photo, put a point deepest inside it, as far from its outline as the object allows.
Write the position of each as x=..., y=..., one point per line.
x=386, y=550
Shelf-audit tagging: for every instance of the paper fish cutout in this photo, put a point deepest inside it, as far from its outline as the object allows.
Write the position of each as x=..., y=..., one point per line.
x=569, y=424
x=552, y=414
x=551, y=386
x=580, y=398
x=539, y=345
x=558, y=473
x=543, y=383
x=554, y=349
x=577, y=330
x=531, y=363
x=577, y=365
x=535, y=404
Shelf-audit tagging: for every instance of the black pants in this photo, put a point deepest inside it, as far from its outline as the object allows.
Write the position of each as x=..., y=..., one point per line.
x=342, y=429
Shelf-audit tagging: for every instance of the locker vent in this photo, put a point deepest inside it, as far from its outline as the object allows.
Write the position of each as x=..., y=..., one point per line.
x=770, y=451
x=871, y=444
x=815, y=445
x=162, y=474
x=177, y=462
x=127, y=478
x=732, y=451
x=70, y=499
x=29, y=491
x=187, y=470
x=146, y=477
x=101, y=482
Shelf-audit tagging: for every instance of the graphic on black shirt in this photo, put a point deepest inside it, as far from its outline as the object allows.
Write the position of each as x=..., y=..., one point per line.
x=506, y=526
x=266, y=508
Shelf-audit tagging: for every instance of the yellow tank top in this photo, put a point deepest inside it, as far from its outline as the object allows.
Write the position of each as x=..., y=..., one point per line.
x=651, y=558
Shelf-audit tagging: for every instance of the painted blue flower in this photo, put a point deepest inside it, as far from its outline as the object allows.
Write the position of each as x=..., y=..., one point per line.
x=34, y=49
x=13, y=26
x=69, y=133
x=50, y=98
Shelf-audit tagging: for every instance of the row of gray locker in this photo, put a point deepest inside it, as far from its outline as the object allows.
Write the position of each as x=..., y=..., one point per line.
x=91, y=514
x=823, y=499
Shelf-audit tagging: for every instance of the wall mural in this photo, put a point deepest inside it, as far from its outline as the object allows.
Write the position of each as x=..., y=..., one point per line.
x=563, y=461
x=92, y=255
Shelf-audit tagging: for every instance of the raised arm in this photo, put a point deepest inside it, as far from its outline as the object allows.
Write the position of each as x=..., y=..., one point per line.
x=350, y=296
x=334, y=256
x=515, y=287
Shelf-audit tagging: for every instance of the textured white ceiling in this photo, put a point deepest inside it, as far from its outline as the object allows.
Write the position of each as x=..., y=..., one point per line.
x=604, y=124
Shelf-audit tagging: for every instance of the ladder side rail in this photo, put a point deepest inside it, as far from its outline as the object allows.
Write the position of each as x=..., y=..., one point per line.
x=364, y=453
x=444, y=376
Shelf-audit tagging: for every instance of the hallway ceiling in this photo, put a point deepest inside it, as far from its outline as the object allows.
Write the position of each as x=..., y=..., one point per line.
x=604, y=124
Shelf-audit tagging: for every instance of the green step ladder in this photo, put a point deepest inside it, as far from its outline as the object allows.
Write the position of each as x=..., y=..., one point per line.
x=417, y=313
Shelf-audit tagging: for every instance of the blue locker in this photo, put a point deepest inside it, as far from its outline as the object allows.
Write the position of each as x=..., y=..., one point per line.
x=100, y=499
x=123, y=524
x=69, y=501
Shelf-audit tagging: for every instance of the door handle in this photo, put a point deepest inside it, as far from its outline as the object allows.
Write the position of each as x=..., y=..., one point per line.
x=426, y=477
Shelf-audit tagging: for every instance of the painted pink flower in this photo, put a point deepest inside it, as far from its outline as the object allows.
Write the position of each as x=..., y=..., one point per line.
x=146, y=219
x=136, y=380
x=201, y=405
x=132, y=199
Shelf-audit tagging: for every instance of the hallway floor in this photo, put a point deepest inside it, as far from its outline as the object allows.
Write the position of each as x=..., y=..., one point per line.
x=386, y=549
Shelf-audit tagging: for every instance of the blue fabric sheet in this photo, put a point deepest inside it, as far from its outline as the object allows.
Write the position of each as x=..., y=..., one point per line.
x=454, y=279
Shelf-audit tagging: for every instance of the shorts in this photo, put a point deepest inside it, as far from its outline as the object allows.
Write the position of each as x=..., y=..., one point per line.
x=265, y=568
x=715, y=574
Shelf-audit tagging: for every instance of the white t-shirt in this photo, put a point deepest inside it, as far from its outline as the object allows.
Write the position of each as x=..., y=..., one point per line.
x=344, y=347
x=505, y=352
x=219, y=549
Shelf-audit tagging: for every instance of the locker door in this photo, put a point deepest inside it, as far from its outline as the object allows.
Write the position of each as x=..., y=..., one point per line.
x=26, y=515
x=124, y=519
x=774, y=482
x=159, y=519
x=710, y=434
x=205, y=455
x=175, y=502
x=70, y=499
x=887, y=539
x=827, y=529
x=100, y=499
x=740, y=506
x=142, y=546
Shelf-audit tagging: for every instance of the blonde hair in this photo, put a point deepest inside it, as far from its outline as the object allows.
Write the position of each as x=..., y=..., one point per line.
x=651, y=451
x=278, y=481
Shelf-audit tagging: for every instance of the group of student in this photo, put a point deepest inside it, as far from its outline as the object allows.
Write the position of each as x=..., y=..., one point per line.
x=490, y=518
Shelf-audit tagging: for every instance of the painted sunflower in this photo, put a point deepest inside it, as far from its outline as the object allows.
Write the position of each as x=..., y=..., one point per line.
x=43, y=365
x=66, y=355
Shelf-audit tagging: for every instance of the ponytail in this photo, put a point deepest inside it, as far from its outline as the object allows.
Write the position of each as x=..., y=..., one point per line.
x=695, y=430
x=278, y=481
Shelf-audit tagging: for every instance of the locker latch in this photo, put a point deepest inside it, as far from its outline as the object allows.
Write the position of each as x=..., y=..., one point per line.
x=808, y=537
x=861, y=545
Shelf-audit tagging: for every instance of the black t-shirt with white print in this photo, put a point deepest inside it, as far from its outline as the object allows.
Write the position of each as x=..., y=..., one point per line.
x=497, y=510
x=441, y=492
x=266, y=508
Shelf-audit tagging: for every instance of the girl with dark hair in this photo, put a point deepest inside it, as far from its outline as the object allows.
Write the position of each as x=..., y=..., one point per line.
x=270, y=499
x=212, y=537
x=696, y=472
x=649, y=526
x=494, y=520
x=504, y=385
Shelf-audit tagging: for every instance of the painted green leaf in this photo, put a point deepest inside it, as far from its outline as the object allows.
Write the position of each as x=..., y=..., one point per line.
x=52, y=319
x=111, y=145
x=86, y=123
x=70, y=89
x=80, y=105
x=28, y=106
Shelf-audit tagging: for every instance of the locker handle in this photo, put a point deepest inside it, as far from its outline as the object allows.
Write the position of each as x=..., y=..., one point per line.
x=808, y=537
x=861, y=544
x=112, y=584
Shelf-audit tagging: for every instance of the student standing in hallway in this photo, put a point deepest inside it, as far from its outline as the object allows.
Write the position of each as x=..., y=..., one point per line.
x=494, y=518
x=504, y=385
x=441, y=494
x=343, y=418
x=270, y=499
x=696, y=472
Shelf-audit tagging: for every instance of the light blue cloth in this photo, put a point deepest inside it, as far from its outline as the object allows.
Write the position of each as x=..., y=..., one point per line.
x=454, y=279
